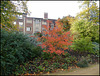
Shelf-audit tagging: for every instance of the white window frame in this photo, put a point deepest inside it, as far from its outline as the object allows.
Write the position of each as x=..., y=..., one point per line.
x=20, y=17
x=37, y=21
x=44, y=23
x=28, y=29
x=43, y=29
x=36, y=29
x=37, y=25
x=52, y=25
x=14, y=23
x=21, y=24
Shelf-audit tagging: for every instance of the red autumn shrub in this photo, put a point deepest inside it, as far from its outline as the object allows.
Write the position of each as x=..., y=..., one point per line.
x=56, y=40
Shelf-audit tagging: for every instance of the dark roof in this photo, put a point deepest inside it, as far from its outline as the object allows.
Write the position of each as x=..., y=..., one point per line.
x=37, y=18
x=53, y=19
x=34, y=17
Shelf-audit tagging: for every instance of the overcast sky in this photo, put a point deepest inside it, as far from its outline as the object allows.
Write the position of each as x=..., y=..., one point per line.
x=55, y=9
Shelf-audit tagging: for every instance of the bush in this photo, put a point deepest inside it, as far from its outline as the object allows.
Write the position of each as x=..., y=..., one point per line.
x=38, y=34
x=16, y=49
x=46, y=56
x=83, y=45
x=56, y=65
x=96, y=48
x=65, y=66
x=82, y=63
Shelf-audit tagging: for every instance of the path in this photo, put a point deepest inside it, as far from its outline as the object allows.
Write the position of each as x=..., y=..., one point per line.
x=91, y=70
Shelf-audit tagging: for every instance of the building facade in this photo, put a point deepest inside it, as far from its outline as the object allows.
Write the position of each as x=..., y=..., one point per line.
x=31, y=25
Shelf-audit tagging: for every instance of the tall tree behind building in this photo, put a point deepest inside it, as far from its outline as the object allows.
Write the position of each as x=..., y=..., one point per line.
x=66, y=21
x=9, y=11
x=87, y=22
x=90, y=11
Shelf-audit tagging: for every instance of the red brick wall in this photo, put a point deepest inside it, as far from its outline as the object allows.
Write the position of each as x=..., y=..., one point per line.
x=29, y=25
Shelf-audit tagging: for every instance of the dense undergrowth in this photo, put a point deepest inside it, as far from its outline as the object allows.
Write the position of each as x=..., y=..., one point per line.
x=16, y=49
x=21, y=55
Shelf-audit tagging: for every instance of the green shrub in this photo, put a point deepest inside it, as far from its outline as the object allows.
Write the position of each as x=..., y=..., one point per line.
x=83, y=45
x=96, y=48
x=56, y=65
x=16, y=49
x=40, y=68
x=38, y=34
x=67, y=60
x=65, y=66
x=82, y=63
x=46, y=56
x=67, y=54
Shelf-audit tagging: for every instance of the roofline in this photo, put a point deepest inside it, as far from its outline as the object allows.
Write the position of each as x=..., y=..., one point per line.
x=40, y=18
x=52, y=19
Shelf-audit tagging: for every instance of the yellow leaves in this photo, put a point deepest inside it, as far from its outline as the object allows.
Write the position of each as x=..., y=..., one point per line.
x=48, y=72
x=2, y=25
x=41, y=72
x=62, y=69
x=7, y=17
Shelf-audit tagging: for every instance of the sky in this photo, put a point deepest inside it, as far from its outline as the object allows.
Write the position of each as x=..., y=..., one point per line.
x=55, y=9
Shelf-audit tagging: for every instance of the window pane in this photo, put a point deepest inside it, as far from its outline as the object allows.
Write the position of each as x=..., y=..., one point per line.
x=20, y=17
x=20, y=24
x=14, y=23
x=44, y=23
x=28, y=29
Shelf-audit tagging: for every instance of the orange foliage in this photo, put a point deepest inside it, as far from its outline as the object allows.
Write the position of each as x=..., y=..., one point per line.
x=56, y=39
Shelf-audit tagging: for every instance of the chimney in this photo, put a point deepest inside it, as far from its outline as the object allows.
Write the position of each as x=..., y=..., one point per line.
x=45, y=15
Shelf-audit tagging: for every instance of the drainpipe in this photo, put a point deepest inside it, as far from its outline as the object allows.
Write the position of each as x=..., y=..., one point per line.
x=24, y=25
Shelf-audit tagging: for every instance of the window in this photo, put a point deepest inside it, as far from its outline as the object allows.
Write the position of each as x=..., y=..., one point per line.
x=44, y=22
x=29, y=21
x=37, y=29
x=37, y=21
x=20, y=24
x=20, y=17
x=52, y=26
x=37, y=25
x=43, y=29
x=14, y=23
x=28, y=29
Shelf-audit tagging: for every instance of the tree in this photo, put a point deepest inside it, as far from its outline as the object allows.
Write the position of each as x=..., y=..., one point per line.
x=9, y=10
x=67, y=21
x=90, y=11
x=83, y=28
x=56, y=40
x=87, y=22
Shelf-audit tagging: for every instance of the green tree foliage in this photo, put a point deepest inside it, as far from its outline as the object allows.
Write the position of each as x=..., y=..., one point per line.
x=87, y=22
x=67, y=21
x=9, y=10
x=82, y=28
x=90, y=11
x=83, y=45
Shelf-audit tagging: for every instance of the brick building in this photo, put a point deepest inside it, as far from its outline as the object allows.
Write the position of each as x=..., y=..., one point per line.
x=31, y=25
